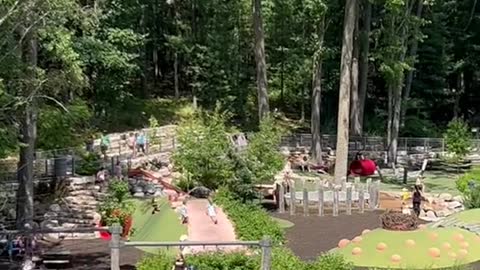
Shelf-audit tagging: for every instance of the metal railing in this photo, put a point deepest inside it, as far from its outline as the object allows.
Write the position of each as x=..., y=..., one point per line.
x=116, y=243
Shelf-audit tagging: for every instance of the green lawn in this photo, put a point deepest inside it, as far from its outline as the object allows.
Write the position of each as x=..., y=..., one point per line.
x=164, y=226
x=284, y=224
x=468, y=216
x=435, y=182
x=414, y=254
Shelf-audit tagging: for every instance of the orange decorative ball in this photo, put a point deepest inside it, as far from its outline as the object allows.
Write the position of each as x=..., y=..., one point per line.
x=381, y=246
x=395, y=258
x=459, y=237
x=343, y=243
x=357, y=239
x=452, y=255
x=365, y=231
x=356, y=251
x=446, y=245
x=433, y=236
x=434, y=252
x=464, y=245
x=462, y=253
x=410, y=243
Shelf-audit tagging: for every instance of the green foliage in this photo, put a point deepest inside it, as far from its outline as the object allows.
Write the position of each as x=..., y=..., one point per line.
x=462, y=183
x=117, y=206
x=472, y=197
x=160, y=261
x=203, y=149
x=458, y=138
x=89, y=164
x=263, y=157
x=224, y=261
x=250, y=220
x=59, y=129
x=283, y=258
x=331, y=261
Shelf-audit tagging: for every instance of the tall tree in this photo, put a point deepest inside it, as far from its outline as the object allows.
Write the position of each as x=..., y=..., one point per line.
x=317, y=91
x=261, y=63
x=354, y=89
x=341, y=159
x=358, y=106
x=412, y=55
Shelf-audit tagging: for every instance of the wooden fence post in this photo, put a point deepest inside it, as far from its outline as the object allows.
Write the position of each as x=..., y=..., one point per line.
x=349, y=200
x=266, y=245
x=335, y=201
x=115, y=230
x=281, y=199
x=377, y=193
x=368, y=184
x=320, y=200
x=305, y=202
x=361, y=200
x=292, y=200
x=356, y=183
x=344, y=183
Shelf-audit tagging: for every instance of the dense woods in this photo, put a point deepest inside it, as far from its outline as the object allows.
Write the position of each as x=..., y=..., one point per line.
x=72, y=68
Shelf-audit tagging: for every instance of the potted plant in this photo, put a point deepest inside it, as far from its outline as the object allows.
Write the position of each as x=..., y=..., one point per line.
x=117, y=208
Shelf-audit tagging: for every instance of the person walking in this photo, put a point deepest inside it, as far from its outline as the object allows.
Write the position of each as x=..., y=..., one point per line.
x=141, y=141
x=132, y=144
x=104, y=145
x=417, y=199
x=212, y=211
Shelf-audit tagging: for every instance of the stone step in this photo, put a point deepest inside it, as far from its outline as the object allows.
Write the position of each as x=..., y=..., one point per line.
x=84, y=199
x=82, y=207
x=81, y=192
x=86, y=215
x=69, y=236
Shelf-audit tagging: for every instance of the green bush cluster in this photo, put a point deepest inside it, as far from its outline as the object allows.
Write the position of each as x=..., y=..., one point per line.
x=207, y=155
x=251, y=222
x=471, y=195
x=458, y=138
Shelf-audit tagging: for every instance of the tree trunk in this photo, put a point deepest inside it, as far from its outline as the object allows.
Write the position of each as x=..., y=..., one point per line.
x=354, y=95
x=261, y=64
x=317, y=99
x=363, y=66
x=458, y=93
x=408, y=83
x=395, y=122
x=28, y=134
x=175, y=79
x=344, y=95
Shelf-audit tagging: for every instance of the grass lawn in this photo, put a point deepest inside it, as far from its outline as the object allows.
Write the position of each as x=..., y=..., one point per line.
x=284, y=224
x=414, y=249
x=435, y=182
x=164, y=226
x=468, y=216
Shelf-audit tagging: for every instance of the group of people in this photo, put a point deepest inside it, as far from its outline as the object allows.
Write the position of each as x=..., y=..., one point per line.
x=136, y=142
x=211, y=212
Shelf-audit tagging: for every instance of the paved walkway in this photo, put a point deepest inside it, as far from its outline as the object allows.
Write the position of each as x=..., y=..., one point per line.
x=201, y=228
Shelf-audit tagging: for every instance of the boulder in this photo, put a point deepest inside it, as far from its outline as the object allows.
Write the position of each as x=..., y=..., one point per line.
x=446, y=197
x=138, y=195
x=55, y=208
x=137, y=189
x=431, y=215
x=458, y=199
x=454, y=205
x=443, y=213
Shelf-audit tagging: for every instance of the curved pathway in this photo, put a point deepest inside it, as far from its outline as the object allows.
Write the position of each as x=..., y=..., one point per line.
x=202, y=229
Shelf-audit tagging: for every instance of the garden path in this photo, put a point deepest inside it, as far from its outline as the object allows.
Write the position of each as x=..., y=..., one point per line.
x=202, y=229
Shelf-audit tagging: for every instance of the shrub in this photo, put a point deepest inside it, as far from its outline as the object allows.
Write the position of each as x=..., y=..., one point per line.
x=263, y=157
x=250, y=220
x=203, y=149
x=224, y=261
x=89, y=164
x=458, y=138
x=159, y=261
x=329, y=261
x=463, y=182
x=283, y=258
x=472, y=197
x=117, y=208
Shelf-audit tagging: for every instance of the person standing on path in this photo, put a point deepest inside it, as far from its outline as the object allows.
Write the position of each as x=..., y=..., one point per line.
x=184, y=213
x=132, y=144
x=141, y=141
x=104, y=145
x=417, y=199
x=212, y=211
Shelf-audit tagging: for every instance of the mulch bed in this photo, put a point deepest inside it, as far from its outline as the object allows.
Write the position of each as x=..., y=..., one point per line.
x=313, y=235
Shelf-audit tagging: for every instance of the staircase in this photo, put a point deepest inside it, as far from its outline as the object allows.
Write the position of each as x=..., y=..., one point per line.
x=77, y=210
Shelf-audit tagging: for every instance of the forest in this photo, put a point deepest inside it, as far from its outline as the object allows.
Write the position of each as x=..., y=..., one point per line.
x=73, y=68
